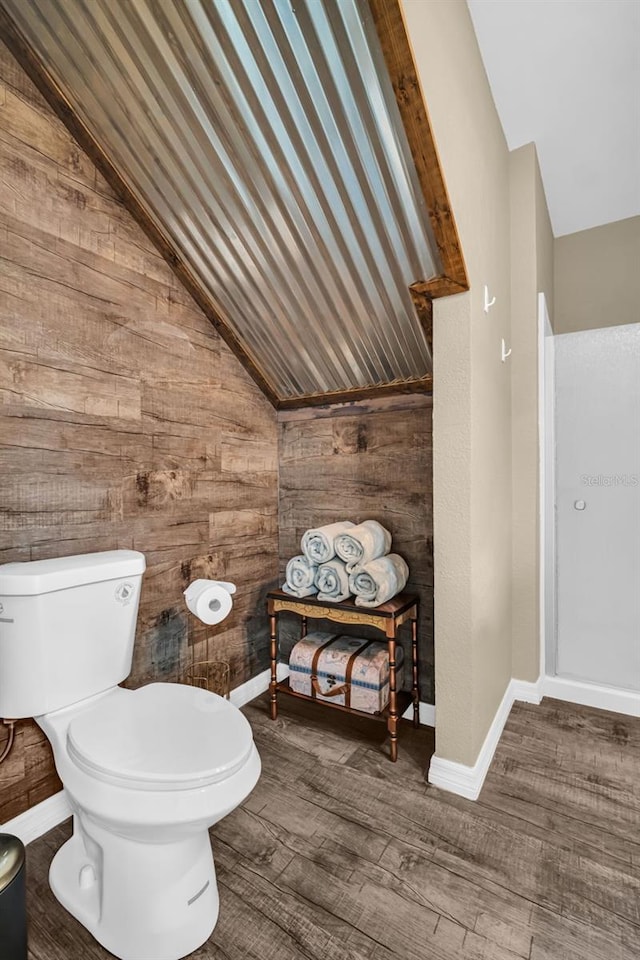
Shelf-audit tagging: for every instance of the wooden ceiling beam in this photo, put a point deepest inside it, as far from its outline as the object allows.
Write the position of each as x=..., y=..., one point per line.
x=423, y=305
x=396, y=48
x=423, y=385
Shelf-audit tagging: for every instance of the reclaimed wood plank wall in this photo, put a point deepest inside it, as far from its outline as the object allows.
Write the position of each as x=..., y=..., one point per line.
x=360, y=461
x=126, y=422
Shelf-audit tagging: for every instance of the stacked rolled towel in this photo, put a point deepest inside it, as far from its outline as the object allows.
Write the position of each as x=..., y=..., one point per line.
x=300, y=577
x=318, y=544
x=341, y=559
x=362, y=543
x=332, y=581
x=379, y=580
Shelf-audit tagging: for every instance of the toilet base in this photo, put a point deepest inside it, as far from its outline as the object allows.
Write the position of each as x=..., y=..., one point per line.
x=140, y=900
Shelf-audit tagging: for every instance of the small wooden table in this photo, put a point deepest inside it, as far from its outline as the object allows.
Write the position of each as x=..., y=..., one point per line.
x=388, y=618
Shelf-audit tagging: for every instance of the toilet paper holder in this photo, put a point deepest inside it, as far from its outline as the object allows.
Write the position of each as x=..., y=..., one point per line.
x=225, y=584
x=210, y=600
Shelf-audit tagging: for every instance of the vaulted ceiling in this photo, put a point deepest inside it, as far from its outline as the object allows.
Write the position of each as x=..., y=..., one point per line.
x=262, y=145
x=567, y=76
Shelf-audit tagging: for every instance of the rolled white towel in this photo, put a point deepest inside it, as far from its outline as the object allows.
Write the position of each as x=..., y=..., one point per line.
x=362, y=543
x=332, y=581
x=379, y=580
x=300, y=577
x=318, y=544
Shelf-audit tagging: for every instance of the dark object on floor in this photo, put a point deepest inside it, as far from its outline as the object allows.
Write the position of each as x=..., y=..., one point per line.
x=13, y=911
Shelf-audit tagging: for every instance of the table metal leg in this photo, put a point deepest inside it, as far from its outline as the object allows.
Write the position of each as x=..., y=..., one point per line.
x=273, y=624
x=392, y=722
x=414, y=661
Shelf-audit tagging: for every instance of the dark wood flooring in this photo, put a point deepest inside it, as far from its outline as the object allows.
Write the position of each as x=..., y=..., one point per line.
x=340, y=855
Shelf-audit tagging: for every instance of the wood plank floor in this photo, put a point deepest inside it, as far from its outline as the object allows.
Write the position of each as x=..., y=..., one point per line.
x=340, y=855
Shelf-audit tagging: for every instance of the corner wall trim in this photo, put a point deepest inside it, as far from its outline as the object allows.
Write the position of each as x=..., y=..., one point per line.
x=465, y=780
x=592, y=695
x=427, y=712
x=527, y=692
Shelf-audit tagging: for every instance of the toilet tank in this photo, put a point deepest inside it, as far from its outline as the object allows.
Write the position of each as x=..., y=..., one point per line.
x=67, y=628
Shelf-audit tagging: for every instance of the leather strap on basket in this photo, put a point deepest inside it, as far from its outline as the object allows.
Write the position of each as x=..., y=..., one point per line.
x=316, y=689
x=314, y=668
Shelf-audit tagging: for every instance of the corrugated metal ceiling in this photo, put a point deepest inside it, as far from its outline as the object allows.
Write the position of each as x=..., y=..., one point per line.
x=264, y=139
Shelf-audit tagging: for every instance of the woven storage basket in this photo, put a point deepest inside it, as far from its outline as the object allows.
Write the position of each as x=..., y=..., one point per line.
x=213, y=675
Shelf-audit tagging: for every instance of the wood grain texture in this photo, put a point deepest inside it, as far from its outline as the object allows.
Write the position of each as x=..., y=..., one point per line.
x=339, y=854
x=126, y=421
x=374, y=464
x=396, y=49
x=398, y=387
x=352, y=408
x=160, y=240
x=423, y=305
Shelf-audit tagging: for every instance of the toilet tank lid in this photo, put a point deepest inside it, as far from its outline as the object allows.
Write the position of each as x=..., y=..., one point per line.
x=44, y=576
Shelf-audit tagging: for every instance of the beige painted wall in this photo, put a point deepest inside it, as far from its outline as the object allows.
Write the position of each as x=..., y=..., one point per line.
x=531, y=272
x=597, y=277
x=472, y=401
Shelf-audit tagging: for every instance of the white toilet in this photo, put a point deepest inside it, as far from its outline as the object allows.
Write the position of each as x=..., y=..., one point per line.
x=146, y=771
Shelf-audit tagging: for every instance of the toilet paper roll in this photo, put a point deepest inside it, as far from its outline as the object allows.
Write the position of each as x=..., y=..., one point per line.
x=209, y=600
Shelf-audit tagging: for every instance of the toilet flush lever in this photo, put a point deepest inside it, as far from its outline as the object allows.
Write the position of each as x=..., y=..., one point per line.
x=580, y=504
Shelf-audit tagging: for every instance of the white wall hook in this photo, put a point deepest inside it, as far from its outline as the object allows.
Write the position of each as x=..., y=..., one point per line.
x=505, y=353
x=488, y=303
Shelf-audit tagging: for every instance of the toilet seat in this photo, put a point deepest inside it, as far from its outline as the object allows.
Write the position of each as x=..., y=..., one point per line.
x=164, y=736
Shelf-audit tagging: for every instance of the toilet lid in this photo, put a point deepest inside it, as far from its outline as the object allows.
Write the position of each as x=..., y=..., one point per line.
x=165, y=736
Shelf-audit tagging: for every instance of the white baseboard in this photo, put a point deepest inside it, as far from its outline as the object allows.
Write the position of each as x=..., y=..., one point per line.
x=465, y=780
x=592, y=695
x=527, y=692
x=256, y=685
x=39, y=819
x=427, y=713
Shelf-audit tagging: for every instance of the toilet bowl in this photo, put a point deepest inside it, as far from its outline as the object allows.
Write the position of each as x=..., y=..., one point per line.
x=146, y=771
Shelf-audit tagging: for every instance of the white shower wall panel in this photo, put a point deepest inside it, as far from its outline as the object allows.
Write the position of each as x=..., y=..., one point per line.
x=598, y=505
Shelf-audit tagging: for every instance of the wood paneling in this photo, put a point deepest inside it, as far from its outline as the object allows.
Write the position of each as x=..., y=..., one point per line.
x=159, y=238
x=357, y=462
x=126, y=421
x=340, y=855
